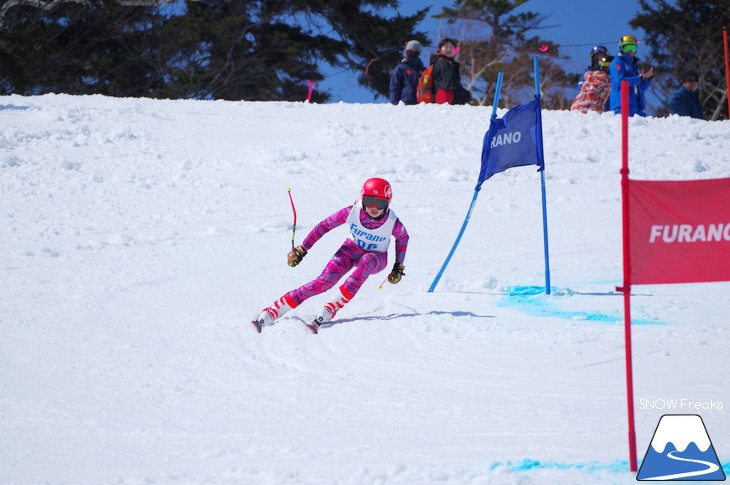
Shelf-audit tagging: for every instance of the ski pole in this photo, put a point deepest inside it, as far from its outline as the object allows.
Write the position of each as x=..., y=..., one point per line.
x=294, y=210
x=381, y=284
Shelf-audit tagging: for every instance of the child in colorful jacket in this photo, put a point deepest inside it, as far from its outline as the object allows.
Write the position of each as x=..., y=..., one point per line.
x=372, y=224
x=595, y=89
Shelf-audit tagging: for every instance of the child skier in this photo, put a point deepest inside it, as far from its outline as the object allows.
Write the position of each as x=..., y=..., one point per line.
x=371, y=224
x=595, y=89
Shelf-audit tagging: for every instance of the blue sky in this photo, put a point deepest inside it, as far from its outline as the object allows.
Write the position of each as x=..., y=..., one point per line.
x=578, y=25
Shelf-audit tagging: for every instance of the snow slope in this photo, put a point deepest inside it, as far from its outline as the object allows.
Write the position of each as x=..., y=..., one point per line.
x=139, y=237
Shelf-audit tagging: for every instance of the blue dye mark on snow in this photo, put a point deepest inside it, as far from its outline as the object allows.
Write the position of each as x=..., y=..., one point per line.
x=532, y=300
x=617, y=466
x=527, y=464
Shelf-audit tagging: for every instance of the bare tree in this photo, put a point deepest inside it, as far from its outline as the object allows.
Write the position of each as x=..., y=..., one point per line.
x=493, y=40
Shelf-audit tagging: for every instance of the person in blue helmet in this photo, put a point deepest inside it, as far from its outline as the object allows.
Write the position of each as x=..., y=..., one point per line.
x=625, y=67
x=597, y=51
x=595, y=88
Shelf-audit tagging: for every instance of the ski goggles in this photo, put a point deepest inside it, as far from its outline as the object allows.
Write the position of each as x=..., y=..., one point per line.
x=605, y=62
x=370, y=201
x=628, y=47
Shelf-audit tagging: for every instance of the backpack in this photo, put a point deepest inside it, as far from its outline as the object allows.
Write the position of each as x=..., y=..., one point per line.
x=424, y=90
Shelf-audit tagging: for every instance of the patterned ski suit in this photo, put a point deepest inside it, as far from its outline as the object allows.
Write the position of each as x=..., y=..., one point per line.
x=358, y=250
x=594, y=92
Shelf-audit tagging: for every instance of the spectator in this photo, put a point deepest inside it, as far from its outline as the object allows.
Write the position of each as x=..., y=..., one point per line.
x=446, y=77
x=625, y=67
x=596, y=86
x=404, y=78
x=685, y=100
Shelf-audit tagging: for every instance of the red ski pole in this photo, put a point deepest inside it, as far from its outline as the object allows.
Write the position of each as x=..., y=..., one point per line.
x=381, y=284
x=294, y=210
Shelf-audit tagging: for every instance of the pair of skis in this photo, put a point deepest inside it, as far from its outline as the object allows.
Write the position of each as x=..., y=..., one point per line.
x=312, y=327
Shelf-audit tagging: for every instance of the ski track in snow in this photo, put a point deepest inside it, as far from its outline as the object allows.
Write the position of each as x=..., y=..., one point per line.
x=141, y=236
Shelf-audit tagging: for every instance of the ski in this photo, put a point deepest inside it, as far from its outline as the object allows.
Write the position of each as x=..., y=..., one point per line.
x=312, y=327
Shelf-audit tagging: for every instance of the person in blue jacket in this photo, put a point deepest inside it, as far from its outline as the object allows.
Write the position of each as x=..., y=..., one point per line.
x=625, y=67
x=404, y=78
x=685, y=100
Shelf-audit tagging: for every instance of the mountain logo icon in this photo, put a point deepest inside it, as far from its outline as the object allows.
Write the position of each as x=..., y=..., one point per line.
x=680, y=450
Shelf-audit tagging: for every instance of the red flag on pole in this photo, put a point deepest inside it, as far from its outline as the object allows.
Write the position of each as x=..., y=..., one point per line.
x=680, y=231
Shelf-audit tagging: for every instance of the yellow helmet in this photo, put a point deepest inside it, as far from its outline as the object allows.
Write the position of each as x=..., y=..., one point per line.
x=627, y=41
x=628, y=38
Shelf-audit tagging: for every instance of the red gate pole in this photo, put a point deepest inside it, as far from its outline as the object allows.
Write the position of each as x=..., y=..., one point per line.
x=626, y=288
x=727, y=69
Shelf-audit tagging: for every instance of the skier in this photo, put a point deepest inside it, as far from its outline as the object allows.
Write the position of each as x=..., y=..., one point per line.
x=595, y=88
x=371, y=223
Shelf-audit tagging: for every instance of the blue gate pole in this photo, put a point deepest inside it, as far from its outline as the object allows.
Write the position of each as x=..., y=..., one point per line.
x=473, y=199
x=541, y=155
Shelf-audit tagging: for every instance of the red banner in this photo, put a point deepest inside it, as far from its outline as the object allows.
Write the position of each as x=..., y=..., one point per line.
x=679, y=231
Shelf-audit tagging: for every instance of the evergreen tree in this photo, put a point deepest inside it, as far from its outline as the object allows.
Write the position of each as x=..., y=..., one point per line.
x=687, y=35
x=213, y=49
x=221, y=49
x=91, y=47
x=506, y=48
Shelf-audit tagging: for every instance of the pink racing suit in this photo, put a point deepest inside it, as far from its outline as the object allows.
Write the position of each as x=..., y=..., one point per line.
x=349, y=255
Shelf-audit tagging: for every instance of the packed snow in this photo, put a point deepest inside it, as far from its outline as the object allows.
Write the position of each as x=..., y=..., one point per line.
x=140, y=237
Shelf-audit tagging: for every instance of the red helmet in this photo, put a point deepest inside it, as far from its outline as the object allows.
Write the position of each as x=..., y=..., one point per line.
x=377, y=188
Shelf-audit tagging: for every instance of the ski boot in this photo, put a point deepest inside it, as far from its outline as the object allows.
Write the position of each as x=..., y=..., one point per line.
x=271, y=313
x=330, y=310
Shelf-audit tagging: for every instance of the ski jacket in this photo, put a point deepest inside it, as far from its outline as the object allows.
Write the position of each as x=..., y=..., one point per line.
x=594, y=92
x=626, y=68
x=686, y=102
x=404, y=80
x=445, y=73
x=341, y=217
